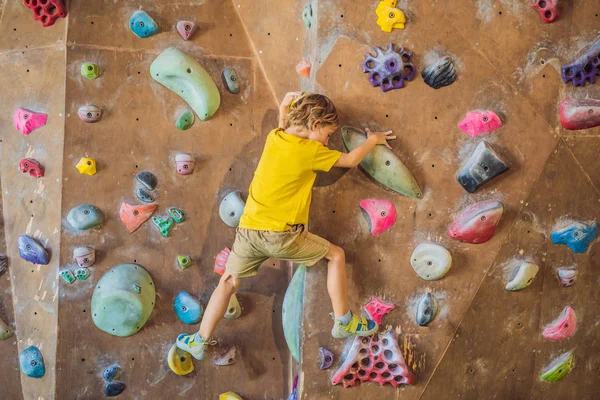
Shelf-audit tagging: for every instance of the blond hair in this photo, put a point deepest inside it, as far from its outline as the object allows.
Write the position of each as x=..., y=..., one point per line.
x=310, y=108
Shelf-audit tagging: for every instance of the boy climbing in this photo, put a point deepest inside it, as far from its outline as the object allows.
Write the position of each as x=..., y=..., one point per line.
x=276, y=214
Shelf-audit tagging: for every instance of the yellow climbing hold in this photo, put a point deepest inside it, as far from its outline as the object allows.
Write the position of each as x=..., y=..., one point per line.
x=388, y=16
x=230, y=396
x=180, y=361
x=86, y=166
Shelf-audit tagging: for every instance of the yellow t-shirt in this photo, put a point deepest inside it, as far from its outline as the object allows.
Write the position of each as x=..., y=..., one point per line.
x=281, y=190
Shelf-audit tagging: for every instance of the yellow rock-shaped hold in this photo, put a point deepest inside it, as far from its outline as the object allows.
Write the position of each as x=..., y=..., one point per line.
x=388, y=16
x=180, y=361
x=86, y=166
x=230, y=396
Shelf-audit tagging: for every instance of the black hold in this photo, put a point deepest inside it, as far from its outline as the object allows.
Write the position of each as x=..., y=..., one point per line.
x=439, y=74
x=483, y=166
x=144, y=195
x=3, y=264
x=147, y=179
x=113, y=389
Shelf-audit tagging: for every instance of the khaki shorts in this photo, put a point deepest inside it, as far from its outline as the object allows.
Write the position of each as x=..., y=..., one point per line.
x=252, y=248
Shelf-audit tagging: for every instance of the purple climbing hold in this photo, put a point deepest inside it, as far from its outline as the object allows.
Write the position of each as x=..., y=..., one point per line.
x=390, y=68
x=325, y=358
x=586, y=67
x=228, y=356
x=30, y=250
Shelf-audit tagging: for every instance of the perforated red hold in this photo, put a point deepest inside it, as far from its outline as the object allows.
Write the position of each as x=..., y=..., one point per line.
x=374, y=359
x=47, y=11
x=546, y=8
x=378, y=308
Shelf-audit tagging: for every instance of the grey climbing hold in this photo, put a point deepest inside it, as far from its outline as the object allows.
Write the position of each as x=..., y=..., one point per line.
x=144, y=195
x=231, y=209
x=483, y=166
x=67, y=276
x=234, y=310
x=3, y=264
x=427, y=309
x=431, y=261
x=227, y=358
x=5, y=330
x=84, y=217
x=32, y=362
x=440, y=73
x=112, y=372
x=112, y=389
x=231, y=80
x=147, y=179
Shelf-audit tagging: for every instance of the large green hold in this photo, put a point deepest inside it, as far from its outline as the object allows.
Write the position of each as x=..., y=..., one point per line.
x=293, y=304
x=123, y=300
x=186, y=77
x=383, y=165
x=560, y=368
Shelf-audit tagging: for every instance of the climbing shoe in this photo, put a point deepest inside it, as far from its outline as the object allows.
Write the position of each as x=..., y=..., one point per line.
x=358, y=326
x=193, y=344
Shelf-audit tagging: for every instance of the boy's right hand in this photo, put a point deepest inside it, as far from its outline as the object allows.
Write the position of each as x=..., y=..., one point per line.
x=382, y=137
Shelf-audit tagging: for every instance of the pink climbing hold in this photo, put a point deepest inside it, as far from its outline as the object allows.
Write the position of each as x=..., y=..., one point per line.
x=563, y=327
x=184, y=164
x=186, y=29
x=27, y=120
x=382, y=214
x=546, y=8
x=378, y=308
x=221, y=261
x=31, y=167
x=303, y=68
x=479, y=123
x=374, y=358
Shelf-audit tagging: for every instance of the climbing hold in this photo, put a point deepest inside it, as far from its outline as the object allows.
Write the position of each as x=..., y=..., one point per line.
x=164, y=225
x=303, y=68
x=32, y=362
x=439, y=74
x=563, y=327
x=144, y=195
x=294, y=394
x=524, y=276
x=231, y=80
x=90, y=71
x=431, y=261
x=86, y=166
x=221, y=261
x=547, y=9
x=82, y=273
x=186, y=77
x=427, y=309
x=388, y=16
x=230, y=396
x=479, y=123
x=375, y=358
x=5, y=330
x=85, y=216
x=227, y=358
x=381, y=213
x=84, y=256
x=177, y=215
x=378, y=308
x=325, y=358
x=180, y=361
x=186, y=29
x=390, y=68
x=559, y=368
x=483, y=166
x=30, y=250
x=586, y=67
x=89, y=113
x=134, y=216
x=579, y=113
x=147, y=179
x=567, y=276
x=27, y=121
x=234, y=310
x=112, y=389
x=142, y=24
x=184, y=164
x=3, y=264
x=32, y=167
x=67, y=276
x=383, y=165
x=184, y=261
x=185, y=121
x=47, y=11
x=112, y=372
x=477, y=223
x=188, y=310
x=307, y=15
x=231, y=209
x=117, y=308
x=292, y=311
x=576, y=236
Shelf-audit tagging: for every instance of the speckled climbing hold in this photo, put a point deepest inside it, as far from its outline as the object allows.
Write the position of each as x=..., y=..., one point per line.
x=32, y=362
x=431, y=261
x=381, y=214
x=292, y=311
x=483, y=166
x=86, y=166
x=47, y=11
x=148, y=179
x=188, y=309
x=221, y=261
x=383, y=165
x=186, y=77
x=524, y=276
x=231, y=209
x=116, y=308
x=184, y=164
x=3, y=264
x=144, y=195
x=137, y=288
x=113, y=389
x=67, y=276
x=479, y=123
x=5, y=330
x=477, y=223
x=586, y=67
x=227, y=358
x=578, y=114
x=559, y=368
x=388, y=16
x=32, y=167
x=379, y=360
x=134, y=216
x=185, y=120
x=184, y=261
x=234, y=310
x=177, y=215
x=84, y=256
x=567, y=276
x=230, y=396
x=90, y=71
x=186, y=29
x=325, y=358
x=84, y=217
x=576, y=236
x=142, y=24
x=303, y=68
x=231, y=80
x=180, y=362
x=427, y=309
x=164, y=225
x=82, y=273
x=27, y=121
x=390, y=68
x=547, y=9
x=563, y=327
x=30, y=250
x=89, y=113
x=307, y=15
x=112, y=372
x=439, y=74
x=378, y=308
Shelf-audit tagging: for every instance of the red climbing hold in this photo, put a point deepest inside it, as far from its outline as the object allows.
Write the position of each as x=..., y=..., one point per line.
x=186, y=29
x=134, y=216
x=32, y=167
x=477, y=223
x=378, y=308
x=547, y=9
x=221, y=261
x=382, y=214
x=47, y=11
x=579, y=113
x=27, y=120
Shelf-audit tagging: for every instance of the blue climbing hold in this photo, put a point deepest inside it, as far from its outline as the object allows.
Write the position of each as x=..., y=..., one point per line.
x=142, y=24
x=576, y=236
x=188, y=310
x=32, y=362
x=30, y=250
x=112, y=372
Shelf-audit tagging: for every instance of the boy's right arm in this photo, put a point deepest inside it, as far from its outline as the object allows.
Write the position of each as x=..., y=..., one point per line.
x=352, y=159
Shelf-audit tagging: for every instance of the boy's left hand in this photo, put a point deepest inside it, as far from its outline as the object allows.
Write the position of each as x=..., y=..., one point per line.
x=288, y=98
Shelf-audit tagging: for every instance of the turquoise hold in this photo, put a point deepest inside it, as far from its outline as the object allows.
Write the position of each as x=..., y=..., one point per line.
x=188, y=310
x=142, y=24
x=293, y=305
x=164, y=225
x=32, y=362
x=85, y=216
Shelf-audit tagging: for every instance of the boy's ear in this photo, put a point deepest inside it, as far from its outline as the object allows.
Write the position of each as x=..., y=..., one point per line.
x=315, y=125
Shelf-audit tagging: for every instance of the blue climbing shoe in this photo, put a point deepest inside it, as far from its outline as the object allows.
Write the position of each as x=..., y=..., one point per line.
x=358, y=326
x=193, y=344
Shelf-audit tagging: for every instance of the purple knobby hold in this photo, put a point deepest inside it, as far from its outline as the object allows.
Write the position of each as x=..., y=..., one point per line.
x=390, y=68
x=585, y=67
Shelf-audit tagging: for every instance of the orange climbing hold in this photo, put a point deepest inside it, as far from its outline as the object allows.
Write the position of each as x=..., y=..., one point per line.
x=134, y=216
x=303, y=68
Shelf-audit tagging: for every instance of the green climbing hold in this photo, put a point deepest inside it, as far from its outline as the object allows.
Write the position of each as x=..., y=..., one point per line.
x=176, y=214
x=82, y=273
x=90, y=70
x=559, y=368
x=118, y=308
x=186, y=77
x=293, y=305
x=184, y=261
x=164, y=225
x=185, y=121
x=67, y=276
